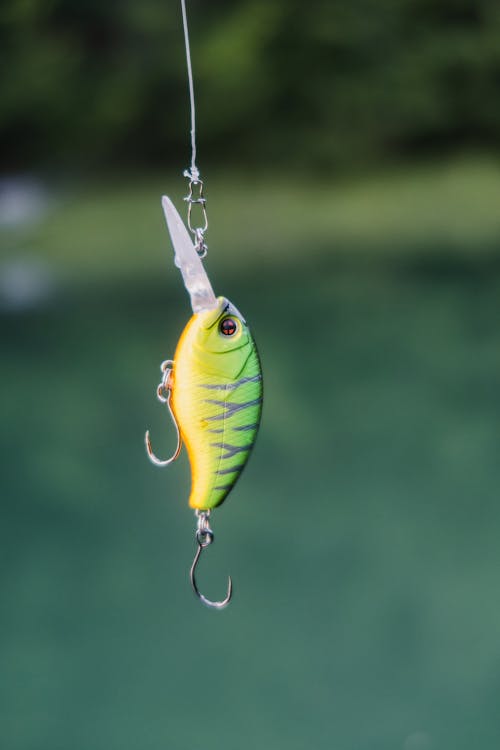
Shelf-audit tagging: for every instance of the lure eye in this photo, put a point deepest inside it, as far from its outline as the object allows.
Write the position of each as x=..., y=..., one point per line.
x=228, y=327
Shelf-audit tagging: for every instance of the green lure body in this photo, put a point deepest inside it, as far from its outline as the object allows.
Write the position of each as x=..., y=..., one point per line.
x=216, y=400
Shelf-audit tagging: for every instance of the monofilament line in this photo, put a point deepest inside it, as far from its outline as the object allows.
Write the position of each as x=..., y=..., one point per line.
x=194, y=169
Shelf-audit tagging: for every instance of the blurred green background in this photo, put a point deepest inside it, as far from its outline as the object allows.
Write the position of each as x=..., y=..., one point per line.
x=351, y=152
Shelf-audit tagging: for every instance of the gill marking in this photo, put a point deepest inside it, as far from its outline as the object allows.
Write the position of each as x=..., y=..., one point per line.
x=231, y=408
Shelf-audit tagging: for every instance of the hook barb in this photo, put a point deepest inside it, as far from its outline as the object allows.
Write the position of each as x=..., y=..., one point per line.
x=205, y=537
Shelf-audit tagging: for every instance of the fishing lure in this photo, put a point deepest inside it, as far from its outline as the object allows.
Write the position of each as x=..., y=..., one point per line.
x=213, y=386
x=213, y=390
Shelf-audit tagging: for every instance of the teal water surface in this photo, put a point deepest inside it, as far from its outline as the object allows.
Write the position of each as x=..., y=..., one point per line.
x=362, y=537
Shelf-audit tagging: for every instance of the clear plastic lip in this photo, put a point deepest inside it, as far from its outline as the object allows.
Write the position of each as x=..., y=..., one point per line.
x=188, y=261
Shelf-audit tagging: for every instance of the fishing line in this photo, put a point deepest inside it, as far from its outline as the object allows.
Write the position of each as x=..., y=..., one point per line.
x=195, y=196
x=194, y=173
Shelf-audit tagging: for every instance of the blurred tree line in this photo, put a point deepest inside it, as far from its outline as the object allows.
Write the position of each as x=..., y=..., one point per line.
x=317, y=84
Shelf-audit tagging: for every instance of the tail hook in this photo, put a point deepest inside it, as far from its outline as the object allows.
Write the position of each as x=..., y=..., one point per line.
x=205, y=537
x=163, y=393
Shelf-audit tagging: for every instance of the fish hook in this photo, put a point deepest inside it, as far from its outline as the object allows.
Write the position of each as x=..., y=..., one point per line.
x=204, y=537
x=163, y=393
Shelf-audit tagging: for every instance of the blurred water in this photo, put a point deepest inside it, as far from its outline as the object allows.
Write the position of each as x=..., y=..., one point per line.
x=26, y=283
x=23, y=199
x=362, y=538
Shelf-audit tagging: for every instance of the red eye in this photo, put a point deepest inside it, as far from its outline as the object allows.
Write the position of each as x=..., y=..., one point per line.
x=228, y=327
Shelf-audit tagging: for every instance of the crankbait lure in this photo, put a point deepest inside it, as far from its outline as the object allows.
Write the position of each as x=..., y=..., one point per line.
x=213, y=390
x=213, y=386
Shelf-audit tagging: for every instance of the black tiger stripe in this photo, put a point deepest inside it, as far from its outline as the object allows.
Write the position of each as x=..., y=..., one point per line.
x=231, y=386
x=232, y=469
x=232, y=450
x=245, y=427
x=231, y=408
